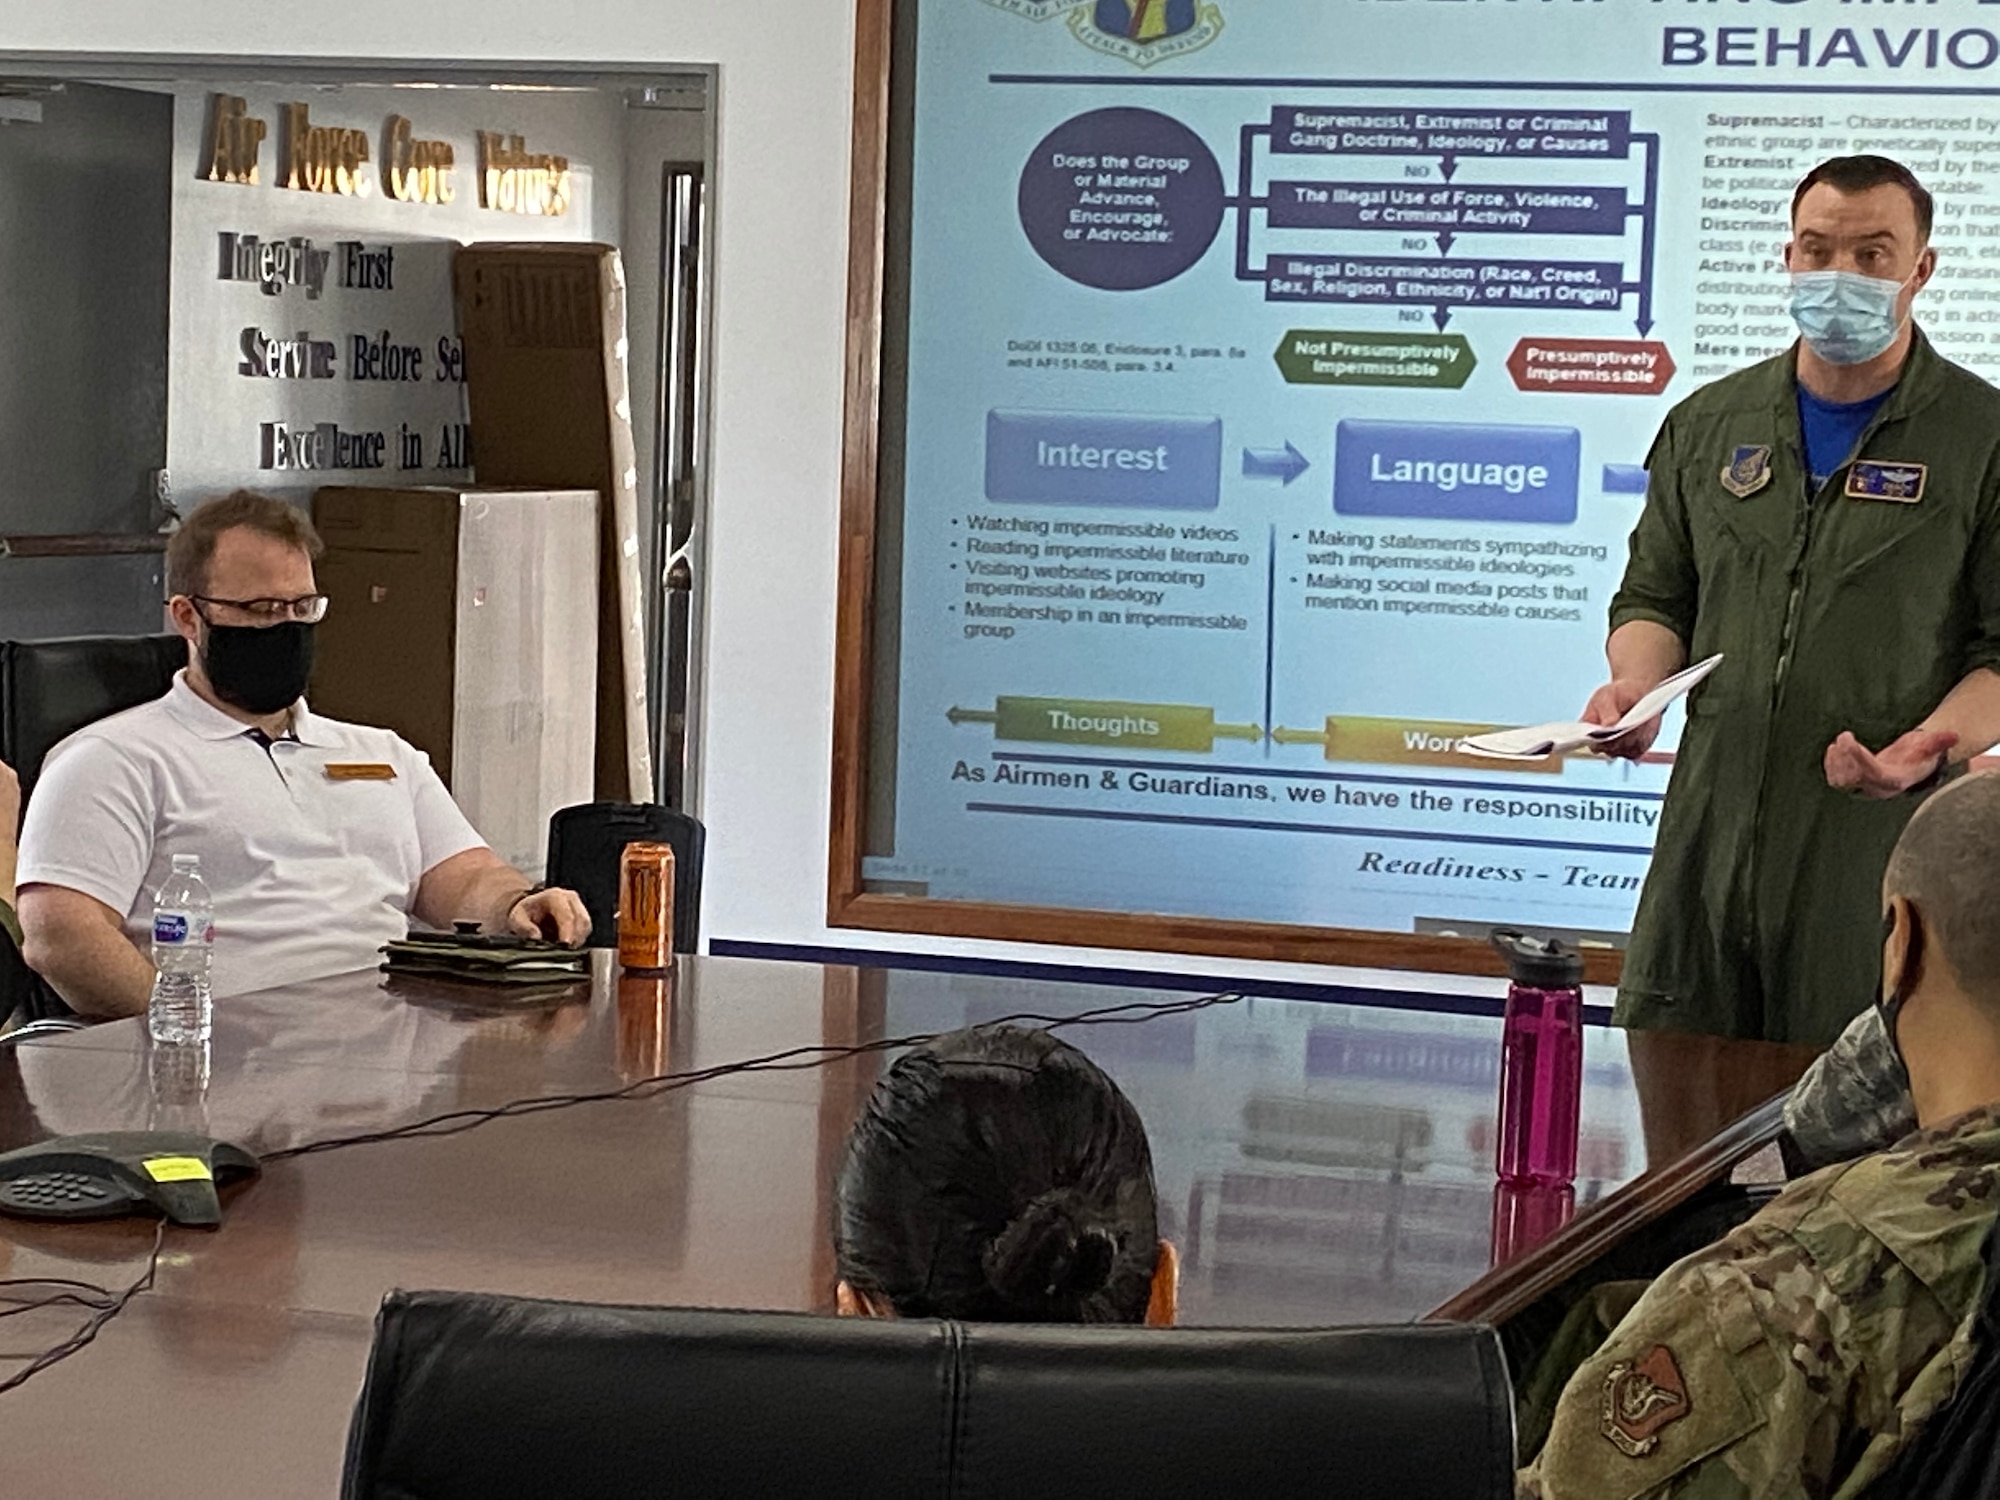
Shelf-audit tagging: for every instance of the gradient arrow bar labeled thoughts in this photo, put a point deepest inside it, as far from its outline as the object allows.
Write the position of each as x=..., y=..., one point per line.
x=1285, y=463
x=1086, y=721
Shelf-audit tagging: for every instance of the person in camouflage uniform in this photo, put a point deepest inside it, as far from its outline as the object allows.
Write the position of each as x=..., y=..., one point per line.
x=1854, y=1099
x=1800, y=1354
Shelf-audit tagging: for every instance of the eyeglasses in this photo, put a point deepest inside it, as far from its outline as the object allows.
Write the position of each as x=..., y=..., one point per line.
x=307, y=609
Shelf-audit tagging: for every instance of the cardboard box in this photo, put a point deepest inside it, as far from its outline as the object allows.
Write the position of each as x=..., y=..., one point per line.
x=544, y=333
x=466, y=621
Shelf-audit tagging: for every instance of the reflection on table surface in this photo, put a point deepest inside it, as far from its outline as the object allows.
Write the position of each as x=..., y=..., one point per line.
x=1317, y=1163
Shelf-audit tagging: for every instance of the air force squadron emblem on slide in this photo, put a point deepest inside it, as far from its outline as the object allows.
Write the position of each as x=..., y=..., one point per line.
x=1142, y=32
x=1749, y=470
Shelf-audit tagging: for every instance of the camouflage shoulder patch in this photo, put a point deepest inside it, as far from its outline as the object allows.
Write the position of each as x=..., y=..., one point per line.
x=1641, y=1397
x=1669, y=1405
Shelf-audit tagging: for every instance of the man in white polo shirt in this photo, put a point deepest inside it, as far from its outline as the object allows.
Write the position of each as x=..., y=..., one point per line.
x=319, y=840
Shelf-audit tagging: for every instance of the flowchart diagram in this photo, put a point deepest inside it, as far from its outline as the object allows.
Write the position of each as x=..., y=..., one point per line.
x=1445, y=213
x=1275, y=419
x=1125, y=199
x=1397, y=220
x=1426, y=213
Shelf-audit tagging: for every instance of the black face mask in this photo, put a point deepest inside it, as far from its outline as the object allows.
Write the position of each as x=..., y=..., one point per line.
x=259, y=669
x=1891, y=1005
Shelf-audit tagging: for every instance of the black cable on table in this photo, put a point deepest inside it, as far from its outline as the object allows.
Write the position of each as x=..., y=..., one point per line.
x=793, y=1059
x=105, y=1304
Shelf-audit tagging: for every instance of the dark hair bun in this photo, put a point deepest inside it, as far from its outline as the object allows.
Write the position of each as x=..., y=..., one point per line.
x=998, y=1175
x=1090, y=1264
x=1054, y=1254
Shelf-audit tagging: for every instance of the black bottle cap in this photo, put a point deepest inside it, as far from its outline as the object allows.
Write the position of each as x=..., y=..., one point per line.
x=1541, y=963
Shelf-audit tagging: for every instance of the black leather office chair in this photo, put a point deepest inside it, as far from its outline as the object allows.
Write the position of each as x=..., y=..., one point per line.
x=498, y=1397
x=51, y=689
x=586, y=841
x=25, y=997
x=48, y=691
x=51, y=1026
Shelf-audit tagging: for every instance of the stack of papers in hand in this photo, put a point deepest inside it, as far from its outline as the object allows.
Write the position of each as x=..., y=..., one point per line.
x=1538, y=741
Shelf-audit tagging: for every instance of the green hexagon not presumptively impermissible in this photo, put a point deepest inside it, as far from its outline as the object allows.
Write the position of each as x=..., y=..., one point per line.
x=1431, y=361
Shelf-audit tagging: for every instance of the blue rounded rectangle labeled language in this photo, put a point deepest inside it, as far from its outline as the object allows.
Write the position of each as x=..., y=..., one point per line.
x=1451, y=471
x=1100, y=458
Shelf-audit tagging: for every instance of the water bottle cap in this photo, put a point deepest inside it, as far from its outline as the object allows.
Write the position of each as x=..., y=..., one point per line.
x=187, y=861
x=1540, y=963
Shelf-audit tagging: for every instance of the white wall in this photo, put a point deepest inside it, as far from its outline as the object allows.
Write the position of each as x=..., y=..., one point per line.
x=780, y=242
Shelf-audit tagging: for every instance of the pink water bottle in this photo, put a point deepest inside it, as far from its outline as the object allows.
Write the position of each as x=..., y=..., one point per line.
x=1526, y=1213
x=1541, y=1060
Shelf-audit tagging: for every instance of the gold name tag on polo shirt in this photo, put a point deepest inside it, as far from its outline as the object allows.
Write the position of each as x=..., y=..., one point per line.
x=1870, y=480
x=359, y=771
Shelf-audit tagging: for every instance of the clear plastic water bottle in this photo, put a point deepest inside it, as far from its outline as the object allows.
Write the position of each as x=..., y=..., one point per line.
x=178, y=1073
x=1541, y=1061
x=183, y=934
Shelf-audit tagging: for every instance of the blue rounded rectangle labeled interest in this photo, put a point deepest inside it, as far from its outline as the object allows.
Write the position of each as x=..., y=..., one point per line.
x=1452, y=471
x=1101, y=458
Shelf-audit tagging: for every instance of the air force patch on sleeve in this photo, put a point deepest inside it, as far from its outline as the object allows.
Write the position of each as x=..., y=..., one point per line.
x=1641, y=1397
x=1748, y=471
x=1870, y=479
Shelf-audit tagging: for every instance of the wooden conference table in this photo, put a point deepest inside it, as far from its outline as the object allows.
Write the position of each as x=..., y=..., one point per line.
x=1318, y=1163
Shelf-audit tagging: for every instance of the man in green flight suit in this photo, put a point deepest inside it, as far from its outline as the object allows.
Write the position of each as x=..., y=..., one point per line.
x=1828, y=520
x=1806, y=1350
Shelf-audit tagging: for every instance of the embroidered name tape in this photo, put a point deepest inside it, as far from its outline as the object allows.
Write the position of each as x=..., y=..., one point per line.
x=1868, y=479
x=359, y=771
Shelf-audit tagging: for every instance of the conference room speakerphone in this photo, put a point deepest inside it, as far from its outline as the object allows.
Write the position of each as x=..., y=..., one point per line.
x=121, y=1172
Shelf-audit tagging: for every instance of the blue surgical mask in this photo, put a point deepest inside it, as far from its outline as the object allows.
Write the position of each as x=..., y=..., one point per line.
x=1845, y=317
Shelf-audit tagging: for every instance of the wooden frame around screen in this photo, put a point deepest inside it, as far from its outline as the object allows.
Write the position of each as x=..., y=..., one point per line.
x=847, y=903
